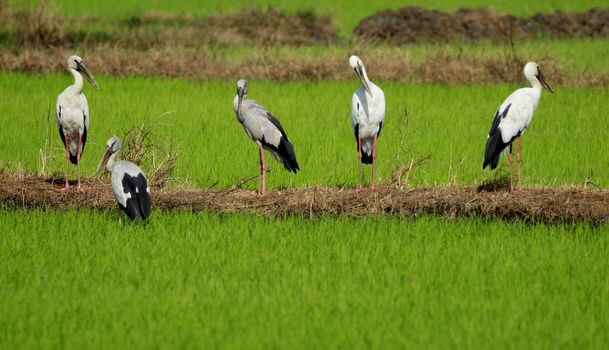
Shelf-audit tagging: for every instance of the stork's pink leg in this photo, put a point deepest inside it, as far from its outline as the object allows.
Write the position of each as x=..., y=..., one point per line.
x=67, y=186
x=259, y=176
x=510, y=160
x=262, y=171
x=373, y=159
x=259, y=171
x=78, y=152
x=359, y=142
x=518, y=163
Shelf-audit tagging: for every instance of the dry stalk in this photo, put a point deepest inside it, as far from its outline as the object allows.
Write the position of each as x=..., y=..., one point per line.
x=158, y=158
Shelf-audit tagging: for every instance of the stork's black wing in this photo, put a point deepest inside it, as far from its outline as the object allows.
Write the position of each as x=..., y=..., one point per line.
x=494, y=142
x=137, y=206
x=285, y=149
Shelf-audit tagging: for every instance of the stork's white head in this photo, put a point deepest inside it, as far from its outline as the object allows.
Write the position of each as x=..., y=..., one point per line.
x=358, y=66
x=113, y=146
x=534, y=75
x=355, y=62
x=76, y=63
x=242, y=87
x=241, y=93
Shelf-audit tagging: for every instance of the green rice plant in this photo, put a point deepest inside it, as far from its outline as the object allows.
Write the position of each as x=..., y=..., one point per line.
x=447, y=126
x=91, y=279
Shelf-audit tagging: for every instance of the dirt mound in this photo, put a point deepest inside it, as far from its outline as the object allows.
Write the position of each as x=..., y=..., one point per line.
x=40, y=27
x=414, y=24
x=547, y=205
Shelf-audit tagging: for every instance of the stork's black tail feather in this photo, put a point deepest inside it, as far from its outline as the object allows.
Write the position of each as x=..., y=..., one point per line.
x=366, y=158
x=494, y=147
x=138, y=206
x=285, y=151
x=73, y=158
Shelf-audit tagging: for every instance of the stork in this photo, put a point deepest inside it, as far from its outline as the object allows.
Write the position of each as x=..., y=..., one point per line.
x=264, y=129
x=512, y=119
x=129, y=184
x=367, y=115
x=72, y=113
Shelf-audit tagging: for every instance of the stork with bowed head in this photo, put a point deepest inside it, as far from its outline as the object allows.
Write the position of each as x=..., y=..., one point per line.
x=367, y=115
x=512, y=119
x=72, y=113
x=129, y=184
x=264, y=129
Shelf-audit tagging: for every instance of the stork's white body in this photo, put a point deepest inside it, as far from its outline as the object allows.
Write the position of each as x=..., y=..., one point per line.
x=72, y=113
x=119, y=169
x=522, y=104
x=256, y=123
x=368, y=113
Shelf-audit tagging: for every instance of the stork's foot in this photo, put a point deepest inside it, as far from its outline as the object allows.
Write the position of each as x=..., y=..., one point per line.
x=66, y=188
x=372, y=188
x=360, y=189
x=79, y=189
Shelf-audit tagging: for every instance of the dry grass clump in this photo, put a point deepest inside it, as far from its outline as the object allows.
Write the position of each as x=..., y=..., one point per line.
x=39, y=26
x=156, y=157
x=551, y=205
x=35, y=25
x=443, y=67
x=270, y=27
x=415, y=24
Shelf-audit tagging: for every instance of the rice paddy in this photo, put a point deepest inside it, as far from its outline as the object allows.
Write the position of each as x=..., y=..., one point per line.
x=87, y=278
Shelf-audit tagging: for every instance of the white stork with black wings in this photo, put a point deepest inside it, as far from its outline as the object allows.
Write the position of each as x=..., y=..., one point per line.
x=129, y=183
x=367, y=115
x=264, y=129
x=72, y=113
x=513, y=118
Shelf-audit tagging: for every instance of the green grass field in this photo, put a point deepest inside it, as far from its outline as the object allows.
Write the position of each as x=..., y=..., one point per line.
x=88, y=279
x=85, y=279
x=448, y=123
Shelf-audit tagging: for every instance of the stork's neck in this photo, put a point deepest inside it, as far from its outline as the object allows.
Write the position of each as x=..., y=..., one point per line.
x=111, y=162
x=535, y=83
x=236, y=106
x=536, y=91
x=78, y=82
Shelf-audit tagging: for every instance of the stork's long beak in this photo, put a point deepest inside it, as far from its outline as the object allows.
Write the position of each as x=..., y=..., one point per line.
x=103, y=160
x=544, y=83
x=84, y=70
x=360, y=73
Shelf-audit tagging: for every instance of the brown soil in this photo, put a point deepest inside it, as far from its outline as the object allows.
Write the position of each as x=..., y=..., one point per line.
x=414, y=24
x=545, y=205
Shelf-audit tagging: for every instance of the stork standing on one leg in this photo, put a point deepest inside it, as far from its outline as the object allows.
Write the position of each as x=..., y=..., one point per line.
x=512, y=119
x=367, y=115
x=72, y=113
x=264, y=129
x=129, y=184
